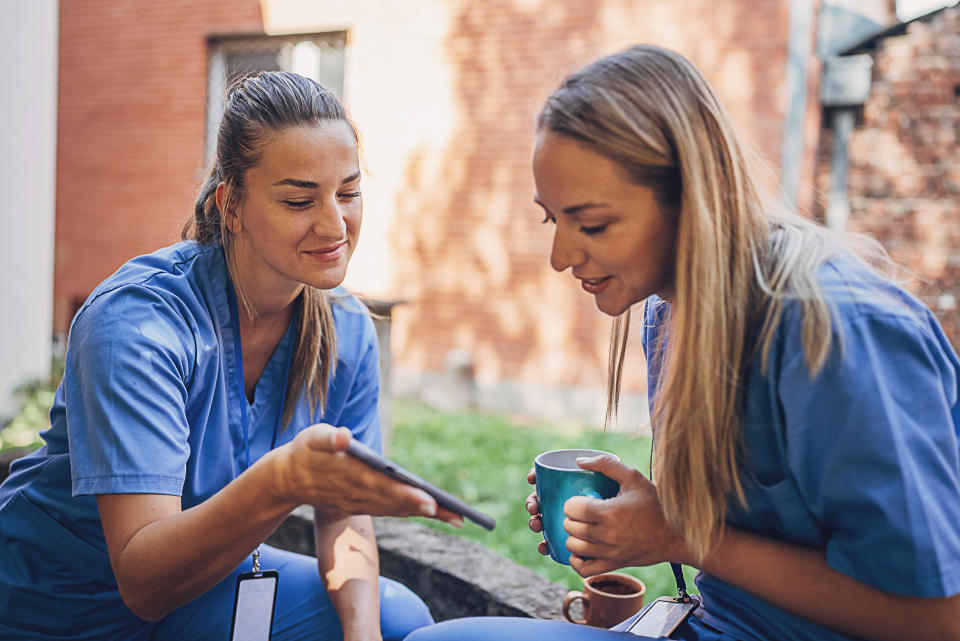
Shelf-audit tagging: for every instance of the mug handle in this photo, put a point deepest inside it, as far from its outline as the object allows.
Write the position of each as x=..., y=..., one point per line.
x=572, y=596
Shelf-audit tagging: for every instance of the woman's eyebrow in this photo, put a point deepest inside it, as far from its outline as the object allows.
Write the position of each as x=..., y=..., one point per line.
x=296, y=182
x=574, y=209
x=309, y=184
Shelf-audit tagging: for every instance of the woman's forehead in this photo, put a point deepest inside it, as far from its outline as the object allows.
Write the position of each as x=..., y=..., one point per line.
x=322, y=150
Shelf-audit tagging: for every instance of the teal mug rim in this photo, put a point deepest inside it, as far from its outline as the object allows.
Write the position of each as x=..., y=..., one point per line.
x=587, y=453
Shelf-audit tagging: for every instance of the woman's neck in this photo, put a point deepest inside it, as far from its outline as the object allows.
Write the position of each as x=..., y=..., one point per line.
x=262, y=298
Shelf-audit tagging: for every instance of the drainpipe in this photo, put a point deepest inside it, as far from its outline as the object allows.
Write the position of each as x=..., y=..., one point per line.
x=798, y=55
x=846, y=86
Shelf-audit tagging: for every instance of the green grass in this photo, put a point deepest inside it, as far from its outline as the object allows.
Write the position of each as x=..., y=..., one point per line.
x=484, y=459
x=34, y=399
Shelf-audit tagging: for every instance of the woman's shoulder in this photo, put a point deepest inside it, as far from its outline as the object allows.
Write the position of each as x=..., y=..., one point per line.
x=163, y=293
x=180, y=260
x=871, y=316
x=860, y=296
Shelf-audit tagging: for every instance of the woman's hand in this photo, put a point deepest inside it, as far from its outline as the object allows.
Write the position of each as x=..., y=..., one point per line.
x=533, y=507
x=627, y=530
x=315, y=469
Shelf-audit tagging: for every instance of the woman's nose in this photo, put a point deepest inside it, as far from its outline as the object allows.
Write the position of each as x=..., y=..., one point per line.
x=329, y=222
x=564, y=254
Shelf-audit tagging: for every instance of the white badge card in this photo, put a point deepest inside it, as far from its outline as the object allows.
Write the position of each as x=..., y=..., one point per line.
x=253, y=606
x=663, y=617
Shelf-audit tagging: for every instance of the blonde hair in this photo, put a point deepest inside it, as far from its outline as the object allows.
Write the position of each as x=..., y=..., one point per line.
x=257, y=105
x=738, y=257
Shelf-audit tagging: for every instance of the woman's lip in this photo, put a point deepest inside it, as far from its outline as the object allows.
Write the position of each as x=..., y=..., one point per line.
x=595, y=285
x=329, y=254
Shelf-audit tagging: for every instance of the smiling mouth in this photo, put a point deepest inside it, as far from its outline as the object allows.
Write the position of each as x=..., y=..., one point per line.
x=595, y=285
x=329, y=254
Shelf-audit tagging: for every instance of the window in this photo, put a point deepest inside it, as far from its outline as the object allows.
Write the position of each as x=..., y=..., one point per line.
x=317, y=56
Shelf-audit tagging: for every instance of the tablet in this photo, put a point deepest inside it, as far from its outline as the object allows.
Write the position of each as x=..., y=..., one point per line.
x=444, y=499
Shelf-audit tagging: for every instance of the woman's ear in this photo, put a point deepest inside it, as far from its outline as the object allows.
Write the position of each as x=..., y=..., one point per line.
x=228, y=209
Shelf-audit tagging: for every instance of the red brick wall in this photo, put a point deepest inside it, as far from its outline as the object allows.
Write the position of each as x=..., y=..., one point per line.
x=465, y=247
x=904, y=183
x=130, y=133
x=475, y=257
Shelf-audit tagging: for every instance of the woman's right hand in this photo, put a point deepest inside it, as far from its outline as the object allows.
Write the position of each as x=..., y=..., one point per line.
x=533, y=507
x=314, y=468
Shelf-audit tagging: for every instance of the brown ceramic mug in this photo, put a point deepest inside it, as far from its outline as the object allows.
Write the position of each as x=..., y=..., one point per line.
x=607, y=599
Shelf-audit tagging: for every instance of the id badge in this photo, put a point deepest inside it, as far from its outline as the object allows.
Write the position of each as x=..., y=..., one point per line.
x=253, y=606
x=663, y=617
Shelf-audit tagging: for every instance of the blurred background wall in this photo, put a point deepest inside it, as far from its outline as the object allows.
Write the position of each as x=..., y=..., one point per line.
x=444, y=93
x=28, y=111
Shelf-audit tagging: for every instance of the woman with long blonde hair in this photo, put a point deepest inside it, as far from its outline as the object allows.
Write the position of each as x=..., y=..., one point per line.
x=804, y=408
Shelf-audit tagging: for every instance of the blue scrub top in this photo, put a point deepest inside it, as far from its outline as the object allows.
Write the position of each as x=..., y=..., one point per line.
x=151, y=402
x=861, y=461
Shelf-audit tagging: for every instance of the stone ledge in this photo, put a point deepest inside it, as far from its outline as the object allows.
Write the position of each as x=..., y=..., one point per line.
x=456, y=577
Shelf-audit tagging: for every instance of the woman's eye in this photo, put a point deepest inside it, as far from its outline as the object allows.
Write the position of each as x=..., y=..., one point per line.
x=350, y=195
x=298, y=204
x=590, y=231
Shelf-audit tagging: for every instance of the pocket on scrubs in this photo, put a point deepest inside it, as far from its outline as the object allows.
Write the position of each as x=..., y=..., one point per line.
x=781, y=508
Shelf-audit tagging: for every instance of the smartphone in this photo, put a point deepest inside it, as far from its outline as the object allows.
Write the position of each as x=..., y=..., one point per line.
x=253, y=606
x=379, y=462
x=663, y=617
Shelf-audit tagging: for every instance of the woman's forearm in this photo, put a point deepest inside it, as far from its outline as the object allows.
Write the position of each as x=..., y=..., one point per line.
x=798, y=580
x=350, y=566
x=163, y=557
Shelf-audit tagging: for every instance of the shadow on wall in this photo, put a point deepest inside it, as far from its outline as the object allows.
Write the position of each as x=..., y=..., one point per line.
x=473, y=257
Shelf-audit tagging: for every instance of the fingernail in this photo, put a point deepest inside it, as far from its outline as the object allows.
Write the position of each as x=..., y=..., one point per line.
x=428, y=509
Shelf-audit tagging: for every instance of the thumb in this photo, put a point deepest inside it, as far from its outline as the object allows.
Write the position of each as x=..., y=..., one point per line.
x=326, y=438
x=609, y=466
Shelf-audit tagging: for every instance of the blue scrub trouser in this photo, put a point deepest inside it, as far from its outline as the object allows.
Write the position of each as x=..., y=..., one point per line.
x=517, y=629
x=303, y=610
x=53, y=603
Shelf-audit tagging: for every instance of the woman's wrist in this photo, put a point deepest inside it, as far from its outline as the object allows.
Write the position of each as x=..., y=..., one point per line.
x=274, y=467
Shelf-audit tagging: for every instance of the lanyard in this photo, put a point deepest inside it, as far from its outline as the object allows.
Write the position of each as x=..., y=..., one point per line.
x=681, y=584
x=238, y=355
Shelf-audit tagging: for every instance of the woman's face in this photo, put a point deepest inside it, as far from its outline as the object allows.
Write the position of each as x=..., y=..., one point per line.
x=300, y=216
x=611, y=232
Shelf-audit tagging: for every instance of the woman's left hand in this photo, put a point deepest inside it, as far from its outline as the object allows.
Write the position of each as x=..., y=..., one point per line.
x=627, y=530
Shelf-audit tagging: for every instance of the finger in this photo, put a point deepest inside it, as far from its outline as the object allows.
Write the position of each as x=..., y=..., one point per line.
x=585, y=532
x=452, y=518
x=589, y=550
x=608, y=466
x=393, y=498
x=542, y=548
x=591, y=567
x=532, y=476
x=585, y=509
x=341, y=438
x=326, y=438
x=532, y=504
x=535, y=524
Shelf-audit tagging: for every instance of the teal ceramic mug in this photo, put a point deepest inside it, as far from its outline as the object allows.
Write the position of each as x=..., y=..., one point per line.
x=560, y=478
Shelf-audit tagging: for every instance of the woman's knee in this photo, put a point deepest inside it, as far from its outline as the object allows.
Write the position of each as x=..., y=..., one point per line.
x=401, y=610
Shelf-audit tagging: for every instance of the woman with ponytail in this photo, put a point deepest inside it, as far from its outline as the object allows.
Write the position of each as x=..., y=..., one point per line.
x=804, y=407
x=211, y=387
